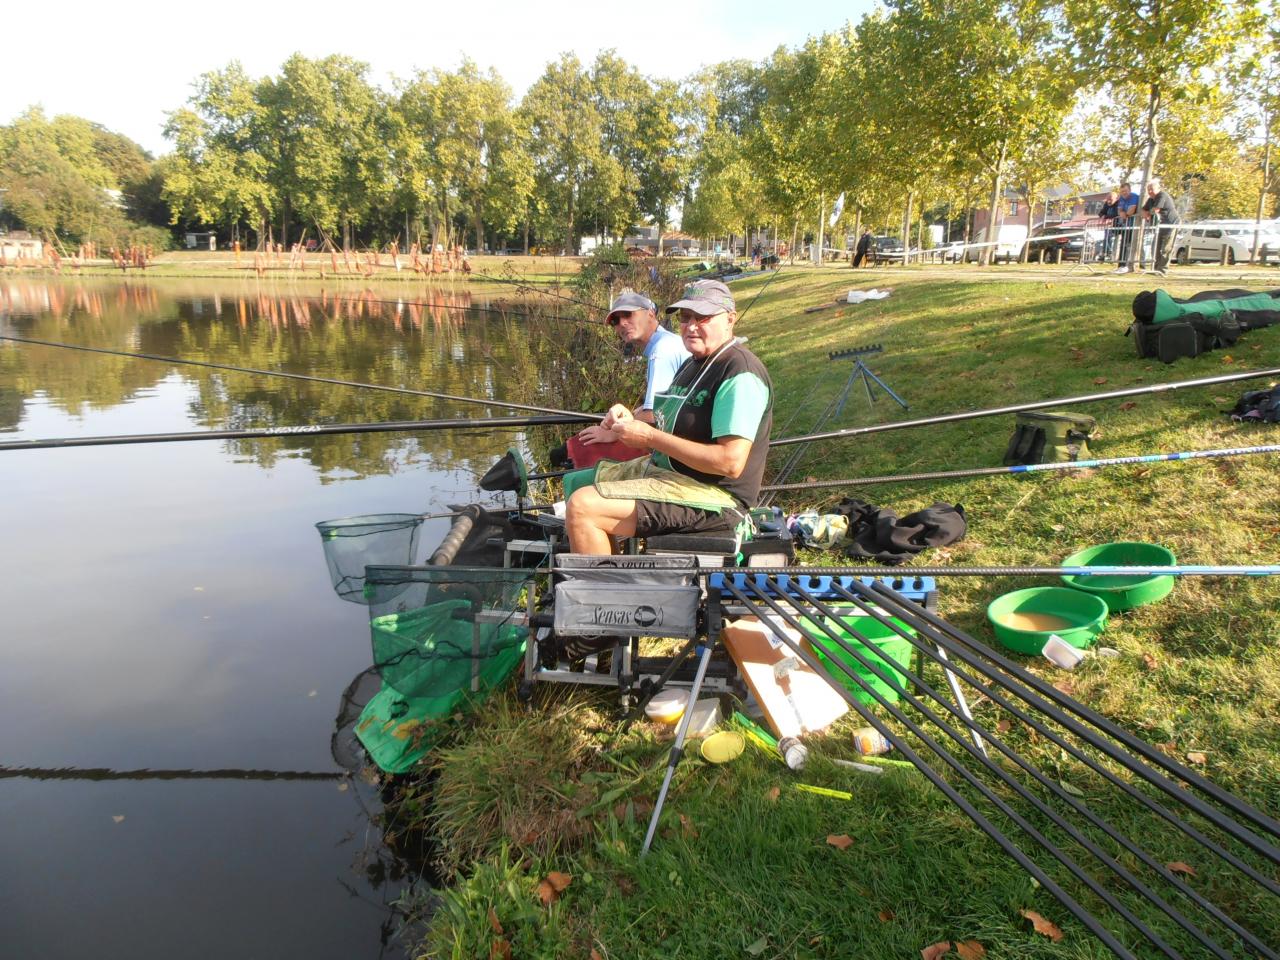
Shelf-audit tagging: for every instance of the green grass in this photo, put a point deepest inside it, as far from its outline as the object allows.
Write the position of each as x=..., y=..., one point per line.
x=736, y=873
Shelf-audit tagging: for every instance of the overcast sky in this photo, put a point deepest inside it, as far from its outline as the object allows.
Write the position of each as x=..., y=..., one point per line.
x=124, y=65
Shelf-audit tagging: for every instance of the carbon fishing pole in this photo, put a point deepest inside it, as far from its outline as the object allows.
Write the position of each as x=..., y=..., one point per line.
x=1029, y=468
x=304, y=376
x=895, y=605
x=1021, y=407
x=450, y=306
x=305, y=430
x=906, y=574
x=897, y=684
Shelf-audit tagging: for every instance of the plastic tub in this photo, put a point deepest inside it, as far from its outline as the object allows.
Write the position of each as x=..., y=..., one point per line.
x=1025, y=619
x=668, y=706
x=890, y=651
x=1122, y=593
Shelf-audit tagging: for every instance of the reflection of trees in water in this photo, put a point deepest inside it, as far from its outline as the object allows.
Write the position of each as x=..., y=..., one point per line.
x=361, y=335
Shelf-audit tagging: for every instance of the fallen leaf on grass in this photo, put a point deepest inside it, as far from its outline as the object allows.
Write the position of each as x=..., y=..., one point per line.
x=1223, y=400
x=493, y=921
x=1004, y=726
x=840, y=841
x=1194, y=757
x=758, y=947
x=556, y=883
x=885, y=915
x=1099, y=380
x=687, y=828
x=1128, y=405
x=1179, y=867
x=1045, y=928
x=1077, y=353
x=970, y=950
x=772, y=794
x=1150, y=661
x=1228, y=359
x=595, y=955
x=936, y=950
x=500, y=950
x=1065, y=686
x=1073, y=790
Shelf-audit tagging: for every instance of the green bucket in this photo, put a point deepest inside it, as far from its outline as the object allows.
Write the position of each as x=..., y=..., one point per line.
x=1122, y=593
x=889, y=652
x=1079, y=617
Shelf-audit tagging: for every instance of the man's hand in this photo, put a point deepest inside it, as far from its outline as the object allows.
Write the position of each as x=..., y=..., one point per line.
x=635, y=433
x=597, y=433
x=617, y=414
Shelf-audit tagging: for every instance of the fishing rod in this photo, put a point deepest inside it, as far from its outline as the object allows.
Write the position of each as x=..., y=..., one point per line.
x=1021, y=407
x=907, y=574
x=582, y=417
x=314, y=429
x=1029, y=468
x=526, y=285
x=450, y=306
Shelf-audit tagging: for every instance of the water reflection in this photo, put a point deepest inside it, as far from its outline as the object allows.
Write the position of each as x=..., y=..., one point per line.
x=449, y=344
x=170, y=646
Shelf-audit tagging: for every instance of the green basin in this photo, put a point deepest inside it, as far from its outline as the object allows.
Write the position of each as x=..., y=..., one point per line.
x=1122, y=593
x=1080, y=618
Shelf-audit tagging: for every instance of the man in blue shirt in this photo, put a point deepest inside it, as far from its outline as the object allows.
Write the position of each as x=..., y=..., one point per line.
x=1127, y=210
x=635, y=317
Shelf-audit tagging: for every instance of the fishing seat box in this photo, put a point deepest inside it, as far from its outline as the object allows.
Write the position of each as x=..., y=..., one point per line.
x=641, y=595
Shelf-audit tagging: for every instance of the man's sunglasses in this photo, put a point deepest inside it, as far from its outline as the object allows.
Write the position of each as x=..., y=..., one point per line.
x=617, y=317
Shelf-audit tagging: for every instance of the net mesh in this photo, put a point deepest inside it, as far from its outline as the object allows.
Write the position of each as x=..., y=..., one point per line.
x=353, y=543
x=444, y=631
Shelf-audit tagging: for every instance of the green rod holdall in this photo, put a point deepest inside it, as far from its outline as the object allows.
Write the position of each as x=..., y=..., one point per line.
x=1050, y=438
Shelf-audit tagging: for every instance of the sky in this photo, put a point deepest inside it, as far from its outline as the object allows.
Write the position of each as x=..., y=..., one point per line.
x=125, y=65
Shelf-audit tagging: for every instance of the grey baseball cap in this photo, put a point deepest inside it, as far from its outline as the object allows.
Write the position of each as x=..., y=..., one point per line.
x=704, y=297
x=627, y=301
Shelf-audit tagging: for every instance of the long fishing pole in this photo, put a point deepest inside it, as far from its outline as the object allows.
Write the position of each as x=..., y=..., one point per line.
x=307, y=377
x=451, y=306
x=907, y=574
x=1029, y=468
x=1021, y=407
x=304, y=430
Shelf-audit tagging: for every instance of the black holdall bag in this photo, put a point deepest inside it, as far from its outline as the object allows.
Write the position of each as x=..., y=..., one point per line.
x=1177, y=339
x=1049, y=438
x=1258, y=406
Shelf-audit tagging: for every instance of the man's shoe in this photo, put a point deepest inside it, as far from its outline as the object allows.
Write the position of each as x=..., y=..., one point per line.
x=1163, y=272
x=1122, y=270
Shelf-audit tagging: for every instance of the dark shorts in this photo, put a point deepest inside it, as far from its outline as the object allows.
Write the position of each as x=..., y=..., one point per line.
x=654, y=519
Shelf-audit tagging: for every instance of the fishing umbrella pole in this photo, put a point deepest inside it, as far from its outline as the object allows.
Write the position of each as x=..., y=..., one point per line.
x=580, y=417
x=1021, y=407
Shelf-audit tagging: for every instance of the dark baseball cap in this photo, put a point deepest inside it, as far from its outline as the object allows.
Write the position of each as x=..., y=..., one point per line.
x=704, y=297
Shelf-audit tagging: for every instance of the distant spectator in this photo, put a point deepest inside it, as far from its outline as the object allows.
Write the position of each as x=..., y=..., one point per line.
x=864, y=247
x=1110, y=210
x=1127, y=204
x=1162, y=214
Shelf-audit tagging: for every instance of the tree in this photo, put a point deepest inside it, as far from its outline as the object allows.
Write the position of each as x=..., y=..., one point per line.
x=1168, y=49
x=219, y=172
x=566, y=134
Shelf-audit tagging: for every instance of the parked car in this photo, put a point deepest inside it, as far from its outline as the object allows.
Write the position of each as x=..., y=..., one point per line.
x=886, y=248
x=1053, y=243
x=1206, y=241
x=1008, y=244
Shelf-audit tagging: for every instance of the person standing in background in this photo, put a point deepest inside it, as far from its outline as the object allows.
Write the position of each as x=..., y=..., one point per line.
x=1160, y=211
x=864, y=247
x=1126, y=213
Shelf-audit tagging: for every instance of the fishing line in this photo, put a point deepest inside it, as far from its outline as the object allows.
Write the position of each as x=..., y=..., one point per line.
x=303, y=376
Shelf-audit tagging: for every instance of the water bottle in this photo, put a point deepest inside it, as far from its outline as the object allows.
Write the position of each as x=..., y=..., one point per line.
x=793, y=752
x=870, y=742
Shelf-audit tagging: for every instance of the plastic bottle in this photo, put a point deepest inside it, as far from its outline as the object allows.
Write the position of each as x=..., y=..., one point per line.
x=869, y=742
x=795, y=753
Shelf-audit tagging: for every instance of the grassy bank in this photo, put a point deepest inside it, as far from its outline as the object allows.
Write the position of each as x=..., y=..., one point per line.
x=743, y=866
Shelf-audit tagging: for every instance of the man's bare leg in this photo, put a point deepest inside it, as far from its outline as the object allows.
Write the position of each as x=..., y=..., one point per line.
x=591, y=520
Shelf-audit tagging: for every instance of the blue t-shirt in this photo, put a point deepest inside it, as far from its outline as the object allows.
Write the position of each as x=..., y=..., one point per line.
x=1127, y=205
x=664, y=353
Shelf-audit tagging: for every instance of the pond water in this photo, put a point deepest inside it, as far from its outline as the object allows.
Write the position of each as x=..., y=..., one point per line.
x=172, y=655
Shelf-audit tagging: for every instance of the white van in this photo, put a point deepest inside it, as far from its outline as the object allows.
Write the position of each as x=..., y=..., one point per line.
x=1010, y=239
x=1205, y=241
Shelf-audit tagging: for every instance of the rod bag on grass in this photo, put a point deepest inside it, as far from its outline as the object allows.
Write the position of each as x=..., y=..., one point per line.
x=1040, y=437
x=1168, y=329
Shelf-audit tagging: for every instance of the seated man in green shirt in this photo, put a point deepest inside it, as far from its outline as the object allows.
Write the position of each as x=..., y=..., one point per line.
x=707, y=445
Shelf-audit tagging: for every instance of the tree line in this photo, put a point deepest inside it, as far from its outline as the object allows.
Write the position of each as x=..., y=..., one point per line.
x=918, y=113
